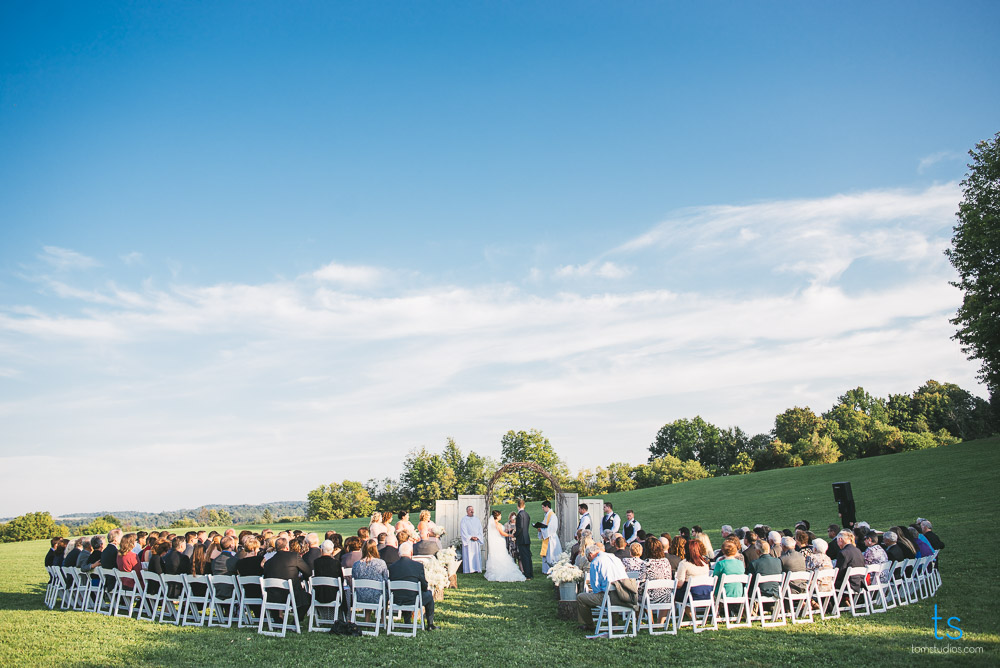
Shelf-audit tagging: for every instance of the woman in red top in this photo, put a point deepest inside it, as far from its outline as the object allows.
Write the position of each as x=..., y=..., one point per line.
x=127, y=559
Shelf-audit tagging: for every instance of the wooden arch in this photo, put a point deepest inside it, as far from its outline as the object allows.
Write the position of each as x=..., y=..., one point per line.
x=519, y=465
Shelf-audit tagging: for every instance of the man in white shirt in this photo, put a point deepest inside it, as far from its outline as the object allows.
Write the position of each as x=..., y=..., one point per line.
x=472, y=542
x=604, y=570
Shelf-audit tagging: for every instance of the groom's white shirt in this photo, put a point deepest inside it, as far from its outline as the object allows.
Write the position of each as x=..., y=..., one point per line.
x=472, y=557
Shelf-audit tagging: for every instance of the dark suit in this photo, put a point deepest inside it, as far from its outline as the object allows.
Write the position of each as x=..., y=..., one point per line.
x=109, y=560
x=175, y=563
x=289, y=566
x=895, y=553
x=427, y=547
x=224, y=564
x=326, y=567
x=248, y=567
x=793, y=561
x=522, y=537
x=312, y=555
x=388, y=554
x=750, y=554
x=850, y=557
x=408, y=570
x=765, y=564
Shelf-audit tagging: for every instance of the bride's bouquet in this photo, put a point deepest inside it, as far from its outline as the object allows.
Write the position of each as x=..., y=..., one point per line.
x=563, y=572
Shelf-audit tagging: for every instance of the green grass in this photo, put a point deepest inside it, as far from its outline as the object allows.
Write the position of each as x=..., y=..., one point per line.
x=484, y=623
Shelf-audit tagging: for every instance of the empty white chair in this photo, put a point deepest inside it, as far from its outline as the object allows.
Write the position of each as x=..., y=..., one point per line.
x=152, y=595
x=377, y=608
x=251, y=599
x=225, y=600
x=628, y=625
x=692, y=605
x=858, y=602
x=798, y=604
x=824, y=593
x=649, y=612
x=725, y=602
x=279, y=615
x=197, y=600
x=759, y=599
x=414, y=609
x=173, y=599
x=324, y=585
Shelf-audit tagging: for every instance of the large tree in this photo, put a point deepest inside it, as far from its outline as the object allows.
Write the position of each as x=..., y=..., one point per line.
x=530, y=446
x=687, y=439
x=975, y=254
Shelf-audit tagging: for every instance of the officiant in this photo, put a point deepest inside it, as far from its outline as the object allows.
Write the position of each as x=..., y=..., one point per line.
x=472, y=542
x=548, y=531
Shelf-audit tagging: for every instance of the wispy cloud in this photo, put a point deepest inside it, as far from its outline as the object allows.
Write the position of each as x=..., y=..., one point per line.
x=352, y=275
x=133, y=258
x=929, y=161
x=64, y=259
x=605, y=269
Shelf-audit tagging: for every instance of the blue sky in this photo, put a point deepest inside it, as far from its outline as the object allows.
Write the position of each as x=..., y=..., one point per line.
x=328, y=233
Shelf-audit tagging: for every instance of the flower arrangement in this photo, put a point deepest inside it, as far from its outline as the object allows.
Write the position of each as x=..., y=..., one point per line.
x=436, y=573
x=563, y=572
x=439, y=531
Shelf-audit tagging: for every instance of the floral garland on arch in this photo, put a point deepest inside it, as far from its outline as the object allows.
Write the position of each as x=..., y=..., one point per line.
x=563, y=572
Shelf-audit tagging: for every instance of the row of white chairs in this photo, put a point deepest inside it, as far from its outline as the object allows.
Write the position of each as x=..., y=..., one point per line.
x=886, y=585
x=225, y=600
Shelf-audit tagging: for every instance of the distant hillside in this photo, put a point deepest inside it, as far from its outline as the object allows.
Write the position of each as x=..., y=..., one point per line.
x=239, y=514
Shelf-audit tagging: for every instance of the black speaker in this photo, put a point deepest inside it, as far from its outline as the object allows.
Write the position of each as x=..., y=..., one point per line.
x=845, y=503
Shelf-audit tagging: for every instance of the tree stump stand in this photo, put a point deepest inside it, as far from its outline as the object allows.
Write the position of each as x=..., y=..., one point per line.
x=567, y=610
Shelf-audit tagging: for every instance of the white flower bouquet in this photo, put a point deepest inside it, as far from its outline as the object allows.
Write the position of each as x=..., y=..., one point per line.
x=436, y=573
x=563, y=572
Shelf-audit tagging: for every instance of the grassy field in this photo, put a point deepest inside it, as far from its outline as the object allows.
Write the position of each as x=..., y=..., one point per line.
x=483, y=623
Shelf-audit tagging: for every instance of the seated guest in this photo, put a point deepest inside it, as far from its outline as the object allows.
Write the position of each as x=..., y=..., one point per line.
x=702, y=537
x=351, y=553
x=109, y=558
x=69, y=559
x=817, y=560
x=621, y=547
x=874, y=554
x=656, y=568
x=729, y=565
x=932, y=538
x=287, y=565
x=793, y=561
x=581, y=560
x=766, y=564
x=833, y=548
x=427, y=546
x=695, y=565
x=127, y=560
x=156, y=558
x=892, y=550
x=750, y=551
x=678, y=549
x=369, y=567
x=253, y=562
x=803, y=542
x=923, y=545
x=338, y=544
x=363, y=534
x=312, y=552
x=850, y=557
x=83, y=559
x=51, y=554
x=633, y=563
x=225, y=564
x=774, y=541
x=97, y=545
x=140, y=542
x=387, y=553
x=190, y=540
x=903, y=541
x=326, y=566
x=605, y=569
x=405, y=569
x=200, y=565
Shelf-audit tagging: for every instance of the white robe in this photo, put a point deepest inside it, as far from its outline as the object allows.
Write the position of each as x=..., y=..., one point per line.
x=553, y=548
x=472, y=555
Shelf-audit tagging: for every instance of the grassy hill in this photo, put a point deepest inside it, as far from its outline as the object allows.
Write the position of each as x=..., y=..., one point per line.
x=486, y=623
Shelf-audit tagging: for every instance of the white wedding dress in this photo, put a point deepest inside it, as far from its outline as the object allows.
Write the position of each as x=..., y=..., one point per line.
x=500, y=567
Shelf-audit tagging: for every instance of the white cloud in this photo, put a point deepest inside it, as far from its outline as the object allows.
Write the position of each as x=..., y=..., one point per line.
x=602, y=269
x=352, y=275
x=64, y=259
x=133, y=258
x=930, y=160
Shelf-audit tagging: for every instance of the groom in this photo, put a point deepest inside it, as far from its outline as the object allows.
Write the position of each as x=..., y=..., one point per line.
x=522, y=536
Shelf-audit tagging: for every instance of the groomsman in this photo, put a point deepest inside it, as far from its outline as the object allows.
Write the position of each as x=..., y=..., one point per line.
x=631, y=528
x=585, y=523
x=611, y=521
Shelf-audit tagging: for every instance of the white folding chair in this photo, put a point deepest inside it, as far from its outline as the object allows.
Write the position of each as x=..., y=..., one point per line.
x=152, y=595
x=415, y=609
x=251, y=595
x=82, y=589
x=96, y=595
x=224, y=607
x=877, y=584
x=346, y=576
x=606, y=619
x=286, y=610
x=124, y=598
x=50, y=587
x=723, y=601
x=758, y=599
x=378, y=607
x=318, y=622
x=922, y=577
x=649, y=612
x=174, y=596
x=909, y=580
x=935, y=572
x=107, y=593
x=59, y=586
x=196, y=607
x=822, y=590
x=798, y=604
x=72, y=586
x=692, y=605
x=858, y=602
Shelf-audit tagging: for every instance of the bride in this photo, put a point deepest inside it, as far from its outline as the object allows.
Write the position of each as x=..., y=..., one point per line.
x=500, y=567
